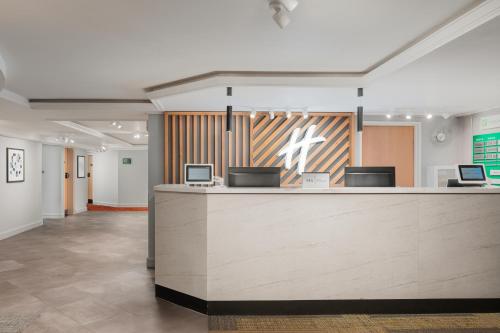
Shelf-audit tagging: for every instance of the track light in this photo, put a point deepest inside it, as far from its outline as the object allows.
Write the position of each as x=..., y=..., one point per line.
x=281, y=10
x=288, y=115
x=271, y=115
x=114, y=123
x=408, y=117
x=119, y=126
x=305, y=114
x=137, y=136
x=71, y=141
x=388, y=116
x=253, y=114
x=428, y=116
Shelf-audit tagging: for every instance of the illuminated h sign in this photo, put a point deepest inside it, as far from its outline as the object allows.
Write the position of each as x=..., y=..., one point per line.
x=303, y=146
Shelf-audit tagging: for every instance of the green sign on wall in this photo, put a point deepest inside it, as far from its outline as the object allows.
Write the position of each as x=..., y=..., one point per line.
x=486, y=150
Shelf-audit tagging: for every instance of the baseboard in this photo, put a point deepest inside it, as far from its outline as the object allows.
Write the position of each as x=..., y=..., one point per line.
x=185, y=300
x=330, y=307
x=124, y=205
x=18, y=230
x=80, y=210
x=53, y=216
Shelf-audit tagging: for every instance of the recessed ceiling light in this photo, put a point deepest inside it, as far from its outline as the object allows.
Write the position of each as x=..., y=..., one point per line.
x=429, y=116
x=137, y=136
x=71, y=141
x=388, y=116
x=408, y=117
x=119, y=126
x=114, y=123
x=305, y=115
x=288, y=114
x=253, y=114
x=271, y=115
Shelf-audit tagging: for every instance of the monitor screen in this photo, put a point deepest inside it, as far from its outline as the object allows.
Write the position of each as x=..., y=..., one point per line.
x=472, y=173
x=199, y=173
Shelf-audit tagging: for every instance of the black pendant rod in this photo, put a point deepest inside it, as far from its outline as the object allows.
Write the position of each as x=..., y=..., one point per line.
x=229, y=111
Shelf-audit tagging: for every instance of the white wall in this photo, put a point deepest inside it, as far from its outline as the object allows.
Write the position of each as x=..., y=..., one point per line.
x=133, y=178
x=80, y=185
x=21, y=203
x=121, y=185
x=105, y=182
x=53, y=181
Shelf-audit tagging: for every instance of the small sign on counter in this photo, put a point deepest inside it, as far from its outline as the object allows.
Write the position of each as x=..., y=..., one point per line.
x=315, y=180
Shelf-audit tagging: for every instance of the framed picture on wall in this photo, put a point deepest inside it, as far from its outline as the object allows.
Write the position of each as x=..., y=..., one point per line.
x=80, y=166
x=15, y=165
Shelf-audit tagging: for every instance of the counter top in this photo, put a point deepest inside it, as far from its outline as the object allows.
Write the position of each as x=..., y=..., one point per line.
x=334, y=190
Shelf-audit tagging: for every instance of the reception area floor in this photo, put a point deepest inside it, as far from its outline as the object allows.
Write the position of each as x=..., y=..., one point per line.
x=444, y=323
x=85, y=273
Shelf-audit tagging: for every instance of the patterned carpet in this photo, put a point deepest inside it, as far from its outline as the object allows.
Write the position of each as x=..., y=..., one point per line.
x=443, y=323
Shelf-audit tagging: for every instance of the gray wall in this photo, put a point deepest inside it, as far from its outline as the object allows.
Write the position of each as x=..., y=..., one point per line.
x=53, y=181
x=156, y=169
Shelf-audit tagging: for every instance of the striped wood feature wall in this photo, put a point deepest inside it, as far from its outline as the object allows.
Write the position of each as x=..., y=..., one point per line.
x=201, y=137
x=270, y=136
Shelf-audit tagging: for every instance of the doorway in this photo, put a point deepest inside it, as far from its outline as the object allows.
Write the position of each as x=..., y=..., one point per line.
x=391, y=146
x=68, y=181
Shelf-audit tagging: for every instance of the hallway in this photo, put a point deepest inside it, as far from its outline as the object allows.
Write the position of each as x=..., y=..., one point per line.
x=85, y=273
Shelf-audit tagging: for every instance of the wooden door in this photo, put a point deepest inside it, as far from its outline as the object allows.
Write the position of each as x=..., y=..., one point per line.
x=90, y=178
x=391, y=146
x=68, y=181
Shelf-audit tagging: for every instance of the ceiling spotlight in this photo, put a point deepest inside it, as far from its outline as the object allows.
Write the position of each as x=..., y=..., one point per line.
x=146, y=135
x=71, y=141
x=281, y=10
x=388, y=116
x=408, y=117
x=137, y=136
x=253, y=114
x=305, y=114
x=114, y=123
x=428, y=116
x=103, y=148
x=119, y=126
x=288, y=114
x=271, y=115
x=66, y=140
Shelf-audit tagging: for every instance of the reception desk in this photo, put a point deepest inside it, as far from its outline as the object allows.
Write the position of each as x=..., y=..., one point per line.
x=341, y=250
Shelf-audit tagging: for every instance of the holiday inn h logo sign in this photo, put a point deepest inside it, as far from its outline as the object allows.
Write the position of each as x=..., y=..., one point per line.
x=302, y=146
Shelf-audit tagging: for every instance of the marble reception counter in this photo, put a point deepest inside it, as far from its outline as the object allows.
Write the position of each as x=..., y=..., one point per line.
x=342, y=250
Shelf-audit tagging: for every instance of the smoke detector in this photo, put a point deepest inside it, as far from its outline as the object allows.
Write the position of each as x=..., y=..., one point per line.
x=281, y=9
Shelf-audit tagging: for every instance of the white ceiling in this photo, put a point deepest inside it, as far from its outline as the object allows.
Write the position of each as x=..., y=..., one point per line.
x=115, y=48
x=89, y=49
x=460, y=77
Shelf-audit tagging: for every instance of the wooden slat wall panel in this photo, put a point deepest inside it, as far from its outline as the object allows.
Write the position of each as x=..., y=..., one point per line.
x=197, y=137
x=268, y=137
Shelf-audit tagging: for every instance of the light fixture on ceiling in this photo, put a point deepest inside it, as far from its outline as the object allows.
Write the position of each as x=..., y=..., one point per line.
x=253, y=114
x=282, y=9
x=428, y=116
x=137, y=136
x=146, y=135
x=103, y=148
x=408, y=116
x=288, y=114
x=71, y=141
x=229, y=110
x=271, y=115
x=114, y=123
x=119, y=126
x=388, y=116
x=305, y=115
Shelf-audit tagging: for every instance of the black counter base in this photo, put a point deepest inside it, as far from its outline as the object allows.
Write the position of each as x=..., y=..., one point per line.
x=331, y=307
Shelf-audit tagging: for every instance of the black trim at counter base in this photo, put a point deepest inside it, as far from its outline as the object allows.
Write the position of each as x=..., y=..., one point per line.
x=185, y=300
x=331, y=307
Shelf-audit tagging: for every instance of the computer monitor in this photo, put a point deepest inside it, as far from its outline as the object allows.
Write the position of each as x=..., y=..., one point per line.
x=472, y=174
x=254, y=177
x=370, y=177
x=198, y=174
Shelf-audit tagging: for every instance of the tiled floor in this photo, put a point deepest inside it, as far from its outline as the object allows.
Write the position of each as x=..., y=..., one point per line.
x=85, y=273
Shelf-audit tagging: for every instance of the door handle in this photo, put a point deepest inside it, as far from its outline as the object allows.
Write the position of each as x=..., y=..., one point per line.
x=66, y=175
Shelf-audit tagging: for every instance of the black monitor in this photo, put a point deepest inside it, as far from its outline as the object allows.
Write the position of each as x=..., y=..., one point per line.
x=370, y=177
x=254, y=177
